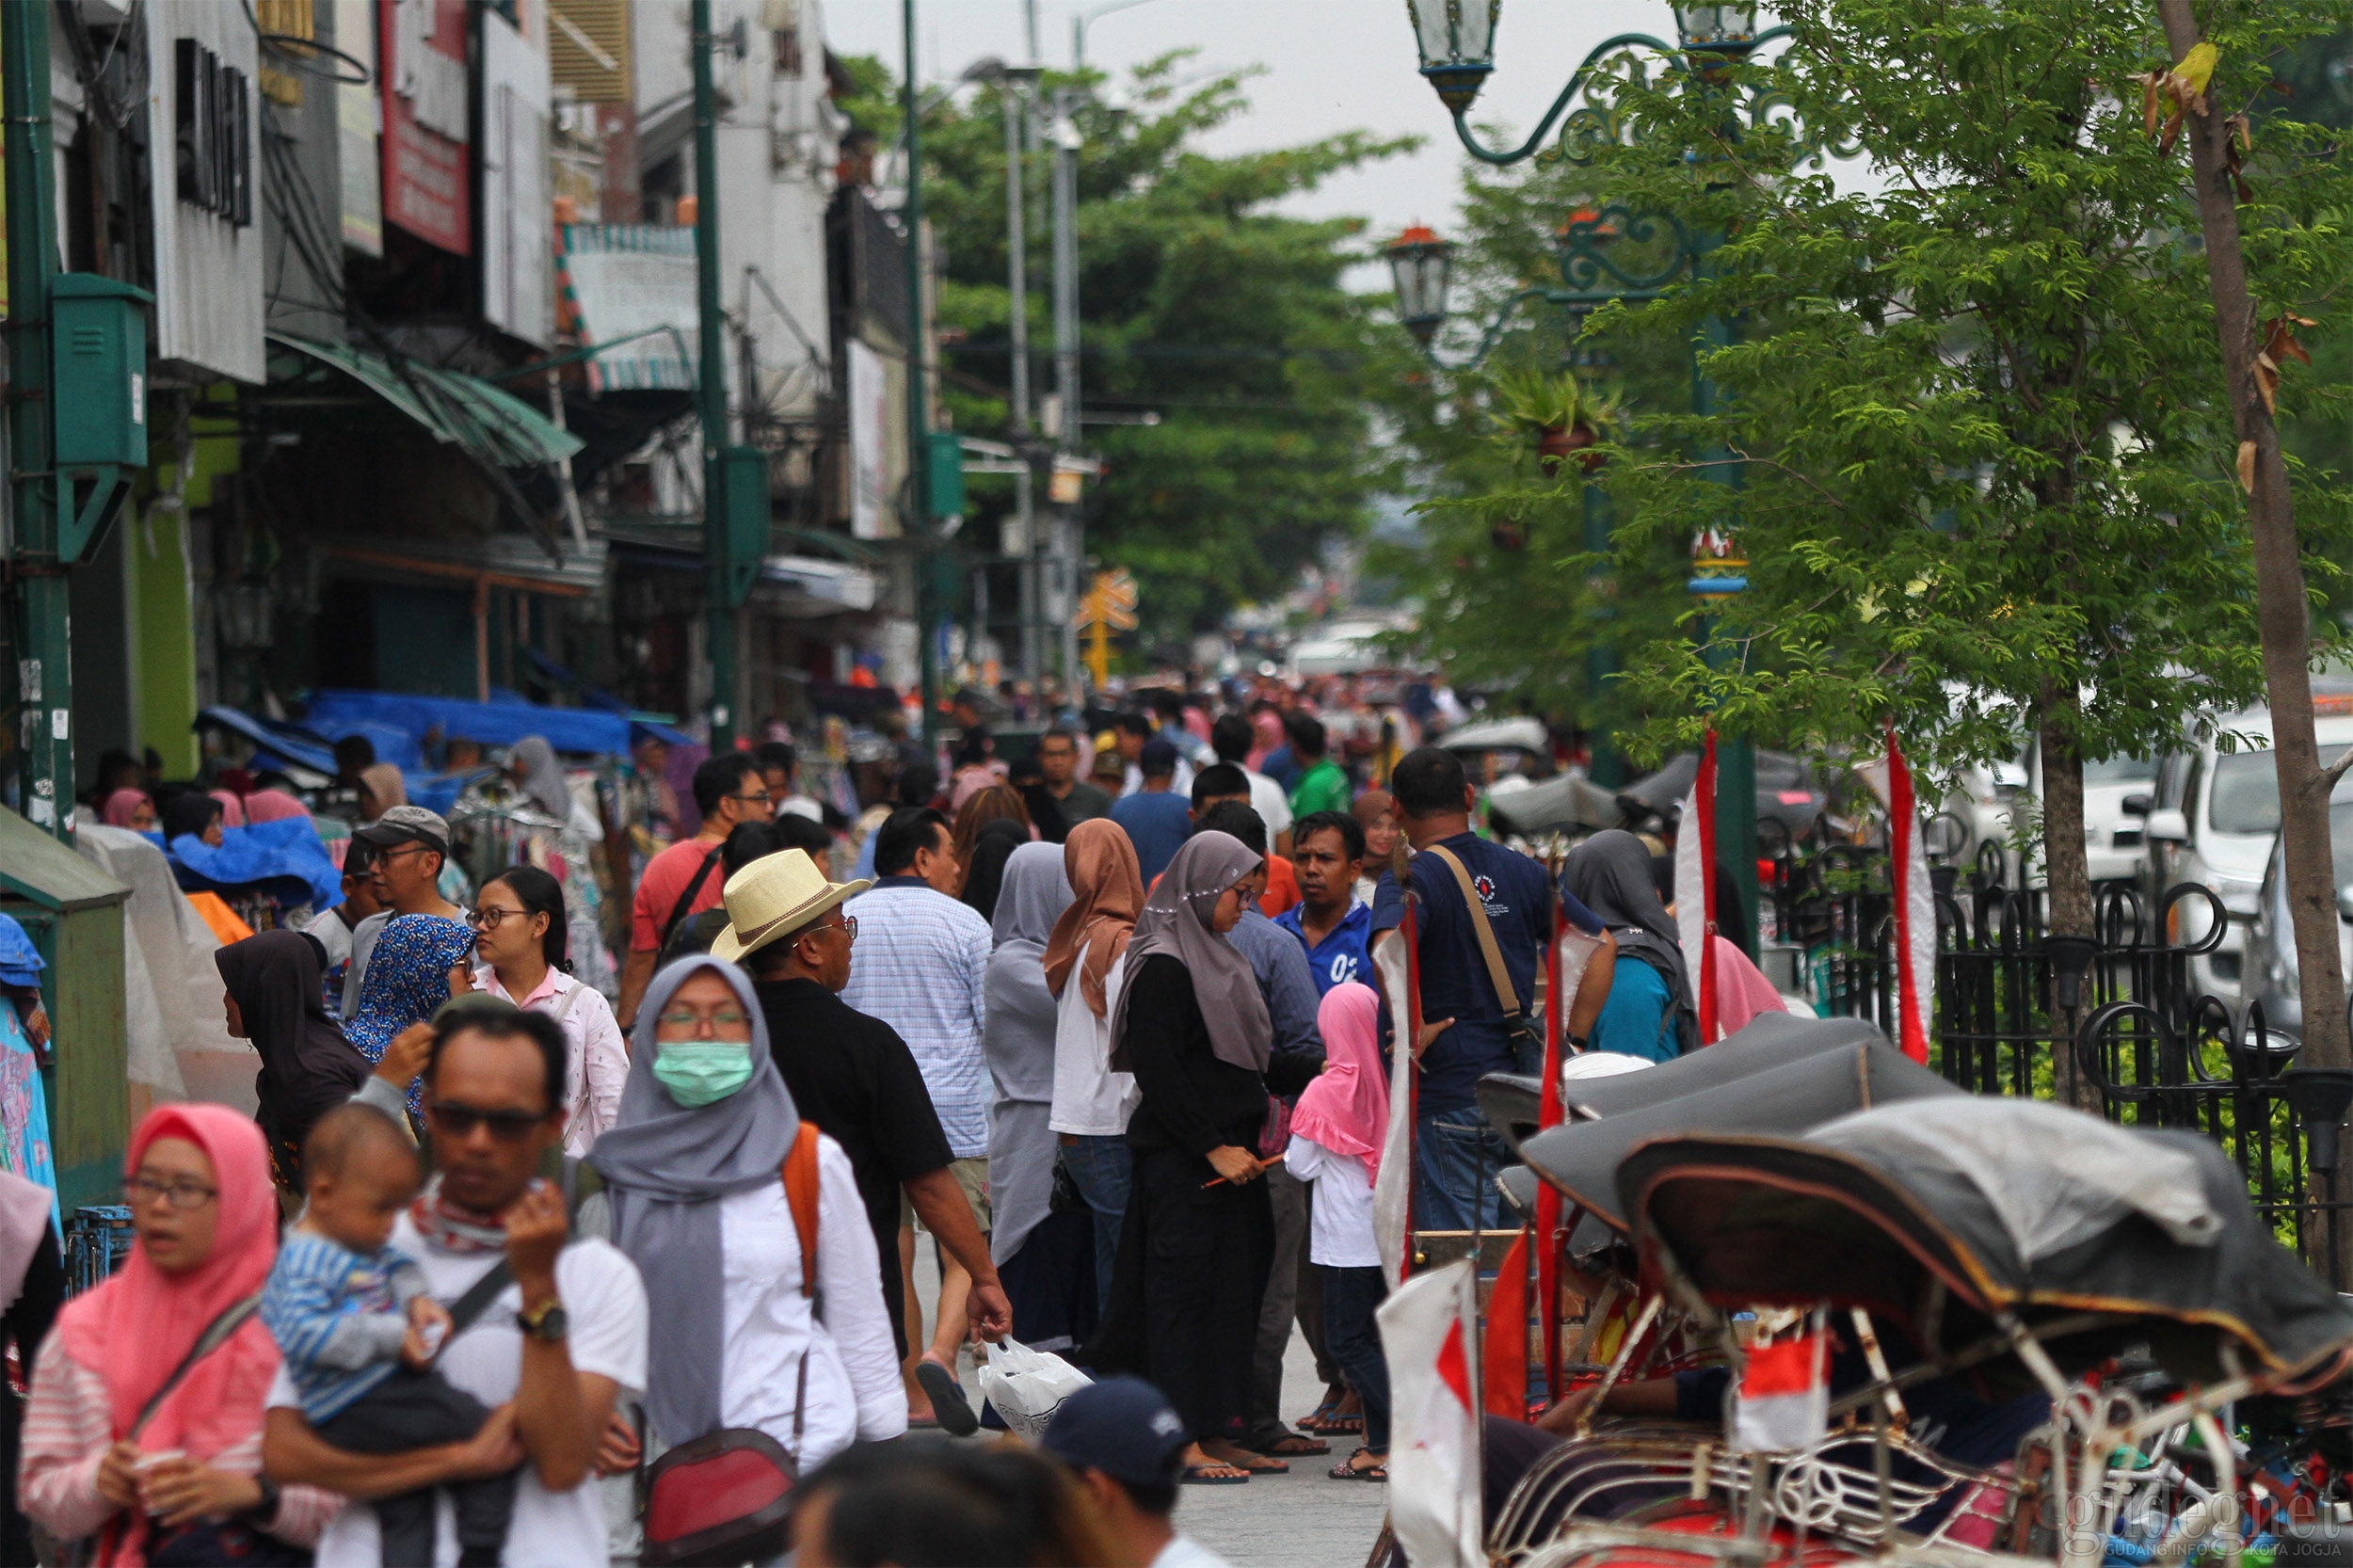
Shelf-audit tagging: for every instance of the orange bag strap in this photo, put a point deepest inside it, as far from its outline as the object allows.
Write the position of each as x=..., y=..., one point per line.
x=800, y=1194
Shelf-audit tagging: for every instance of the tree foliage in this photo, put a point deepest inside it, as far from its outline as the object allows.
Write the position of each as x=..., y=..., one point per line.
x=1199, y=303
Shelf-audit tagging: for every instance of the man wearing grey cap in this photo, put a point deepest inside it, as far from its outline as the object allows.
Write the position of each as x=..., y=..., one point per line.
x=410, y=845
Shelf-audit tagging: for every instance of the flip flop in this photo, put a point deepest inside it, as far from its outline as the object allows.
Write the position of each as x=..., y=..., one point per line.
x=1318, y=1418
x=1346, y=1469
x=953, y=1411
x=1197, y=1475
x=1272, y=1466
x=1290, y=1444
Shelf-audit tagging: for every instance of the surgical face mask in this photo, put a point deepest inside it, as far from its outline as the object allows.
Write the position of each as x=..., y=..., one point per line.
x=702, y=1072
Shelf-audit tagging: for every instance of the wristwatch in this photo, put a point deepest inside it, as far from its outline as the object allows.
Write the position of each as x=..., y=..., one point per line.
x=546, y=1322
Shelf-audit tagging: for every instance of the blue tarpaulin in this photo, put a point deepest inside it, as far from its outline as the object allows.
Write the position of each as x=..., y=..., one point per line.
x=288, y=742
x=287, y=854
x=384, y=716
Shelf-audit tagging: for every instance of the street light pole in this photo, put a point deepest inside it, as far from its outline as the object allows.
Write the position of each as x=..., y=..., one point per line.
x=44, y=663
x=918, y=518
x=711, y=397
x=1018, y=285
x=1069, y=546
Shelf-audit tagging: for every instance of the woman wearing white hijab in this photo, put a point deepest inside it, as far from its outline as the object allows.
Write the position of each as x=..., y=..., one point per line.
x=694, y=1170
x=1199, y=1235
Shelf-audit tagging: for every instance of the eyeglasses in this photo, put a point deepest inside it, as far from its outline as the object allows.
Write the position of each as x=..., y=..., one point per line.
x=181, y=1196
x=684, y=1020
x=847, y=926
x=459, y=1121
x=384, y=855
x=488, y=919
x=759, y=798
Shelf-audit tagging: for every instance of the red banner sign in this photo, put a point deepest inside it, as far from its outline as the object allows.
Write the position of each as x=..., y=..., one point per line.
x=423, y=66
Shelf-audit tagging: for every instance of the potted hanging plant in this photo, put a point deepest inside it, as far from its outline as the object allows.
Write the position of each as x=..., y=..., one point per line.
x=1560, y=414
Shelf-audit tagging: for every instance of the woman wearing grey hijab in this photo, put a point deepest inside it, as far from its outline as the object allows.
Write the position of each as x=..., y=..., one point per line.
x=1199, y=1235
x=1649, y=1013
x=1040, y=1256
x=540, y=777
x=694, y=1170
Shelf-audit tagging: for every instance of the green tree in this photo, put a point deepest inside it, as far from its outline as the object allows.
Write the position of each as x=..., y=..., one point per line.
x=1198, y=303
x=1974, y=427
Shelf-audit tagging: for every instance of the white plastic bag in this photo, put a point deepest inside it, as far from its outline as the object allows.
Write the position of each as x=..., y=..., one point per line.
x=1027, y=1387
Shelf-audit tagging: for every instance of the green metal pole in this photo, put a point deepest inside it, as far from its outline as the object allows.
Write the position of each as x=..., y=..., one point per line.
x=1603, y=766
x=711, y=397
x=919, y=436
x=1735, y=758
x=45, y=671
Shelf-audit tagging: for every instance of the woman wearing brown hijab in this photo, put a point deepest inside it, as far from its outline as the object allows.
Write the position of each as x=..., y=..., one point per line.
x=1091, y=1103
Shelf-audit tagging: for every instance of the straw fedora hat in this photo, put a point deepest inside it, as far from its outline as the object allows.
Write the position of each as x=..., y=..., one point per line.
x=774, y=895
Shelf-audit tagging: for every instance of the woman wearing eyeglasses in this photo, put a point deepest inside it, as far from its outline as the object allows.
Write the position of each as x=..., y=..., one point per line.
x=694, y=1172
x=113, y=1447
x=520, y=946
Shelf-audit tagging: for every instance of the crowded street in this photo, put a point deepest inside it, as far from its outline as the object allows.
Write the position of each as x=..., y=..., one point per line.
x=1175, y=784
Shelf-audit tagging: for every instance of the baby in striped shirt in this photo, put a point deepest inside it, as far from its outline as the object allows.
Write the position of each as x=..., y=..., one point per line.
x=358, y=1331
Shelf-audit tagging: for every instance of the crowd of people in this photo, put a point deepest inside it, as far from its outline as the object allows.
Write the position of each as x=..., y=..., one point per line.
x=1104, y=1022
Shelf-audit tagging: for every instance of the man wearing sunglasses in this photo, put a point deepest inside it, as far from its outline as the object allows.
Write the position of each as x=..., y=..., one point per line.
x=555, y=1348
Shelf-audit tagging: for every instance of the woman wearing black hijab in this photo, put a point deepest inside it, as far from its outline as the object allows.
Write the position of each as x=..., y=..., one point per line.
x=194, y=814
x=308, y=1067
x=1198, y=1239
x=984, y=877
x=1650, y=1012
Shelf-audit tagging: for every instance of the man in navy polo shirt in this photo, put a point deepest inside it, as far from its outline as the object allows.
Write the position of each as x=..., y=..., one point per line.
x=1456, y=1155
x=1331, y=922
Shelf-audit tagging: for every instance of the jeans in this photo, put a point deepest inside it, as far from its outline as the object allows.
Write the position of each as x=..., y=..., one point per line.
x=1457, y=1157
x=1101, y=1170
x=1349, y=1297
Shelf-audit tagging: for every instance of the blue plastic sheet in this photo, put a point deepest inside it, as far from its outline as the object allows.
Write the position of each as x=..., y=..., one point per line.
x=336, y=714
x=287, y=854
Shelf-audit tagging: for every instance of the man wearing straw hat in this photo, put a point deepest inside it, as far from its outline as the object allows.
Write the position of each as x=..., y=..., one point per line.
x=851, y=1074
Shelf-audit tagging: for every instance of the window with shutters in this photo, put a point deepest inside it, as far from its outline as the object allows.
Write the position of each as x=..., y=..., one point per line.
x=589, y=49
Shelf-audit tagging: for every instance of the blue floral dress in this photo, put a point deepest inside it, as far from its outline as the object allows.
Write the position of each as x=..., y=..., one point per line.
x=407, y=982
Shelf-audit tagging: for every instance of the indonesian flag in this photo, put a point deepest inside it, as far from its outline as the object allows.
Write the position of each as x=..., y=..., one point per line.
x=1783, y=1403
x=1695, y=888
x=1393, y=1186
x=1427, y=1328
x=1915, y=908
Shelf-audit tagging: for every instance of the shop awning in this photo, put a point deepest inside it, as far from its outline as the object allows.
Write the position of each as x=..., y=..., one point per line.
x=459, y=409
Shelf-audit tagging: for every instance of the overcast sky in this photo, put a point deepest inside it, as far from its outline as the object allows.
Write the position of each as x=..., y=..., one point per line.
x=1330, y=66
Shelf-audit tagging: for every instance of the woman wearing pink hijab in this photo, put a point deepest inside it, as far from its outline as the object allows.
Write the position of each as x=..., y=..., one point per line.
x=130, y=809
x=232, y=807
x=1335, y=1144
x=273, y=806
x=113, y=1448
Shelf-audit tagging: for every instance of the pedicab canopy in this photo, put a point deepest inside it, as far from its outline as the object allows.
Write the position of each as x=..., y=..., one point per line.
x=1948, y=1214
x=1771, y=1040
x=1582, y=1159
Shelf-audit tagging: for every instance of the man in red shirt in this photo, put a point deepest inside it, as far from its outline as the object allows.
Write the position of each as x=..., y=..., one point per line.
x=686, y=879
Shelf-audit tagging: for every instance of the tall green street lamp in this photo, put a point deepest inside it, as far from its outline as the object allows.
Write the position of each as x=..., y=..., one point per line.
x=1457, y=40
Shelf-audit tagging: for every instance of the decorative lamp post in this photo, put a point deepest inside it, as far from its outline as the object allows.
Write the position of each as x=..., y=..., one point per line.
x=1457, y=38
x=1724, y=27
x=1419, y=267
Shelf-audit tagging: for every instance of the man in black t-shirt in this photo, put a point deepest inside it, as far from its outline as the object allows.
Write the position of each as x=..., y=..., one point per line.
x=851, y=1075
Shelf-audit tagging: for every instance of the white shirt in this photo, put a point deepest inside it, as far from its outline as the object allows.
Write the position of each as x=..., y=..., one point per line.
x=596, y=1059
x=1181, y=784
x=332, y=934
x=1340, y=1224
x=606, y=1306
x=854, y=1392
x=1089, y=1097
x=800, y=806
x=1182, y=1551
x=1272, y=806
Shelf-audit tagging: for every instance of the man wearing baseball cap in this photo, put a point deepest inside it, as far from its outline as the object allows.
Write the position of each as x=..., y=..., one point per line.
x=1127, y=1446
x=409, y=845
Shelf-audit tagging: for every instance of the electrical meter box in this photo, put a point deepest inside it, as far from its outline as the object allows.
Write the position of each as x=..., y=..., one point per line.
x=98, y=344
x=744, y=486
x=946, y=476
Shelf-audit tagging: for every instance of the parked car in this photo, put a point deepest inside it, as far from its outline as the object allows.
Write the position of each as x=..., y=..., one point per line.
x=2212, y=818
x=2272, y=975
x=2117, y=795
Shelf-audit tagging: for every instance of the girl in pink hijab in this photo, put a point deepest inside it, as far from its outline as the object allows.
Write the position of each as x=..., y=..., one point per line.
x=130, y=809
x=1335, y=1144
x=232, y=808
x=273, y=806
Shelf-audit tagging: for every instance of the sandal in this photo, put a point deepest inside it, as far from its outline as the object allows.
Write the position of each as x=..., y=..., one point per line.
x=1290, y=1444
x=1347, y=1468
x=1199, y=1475
x=1316, y=1419
x=1344, y=1425
x=949, y=1405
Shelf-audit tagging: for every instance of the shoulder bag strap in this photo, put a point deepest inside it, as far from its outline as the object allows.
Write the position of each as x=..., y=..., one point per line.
x=477, y=1299
x=564, y=1008
x=215, y=1334
x=1500, y=976
x=686, y=899
x=800, y=1196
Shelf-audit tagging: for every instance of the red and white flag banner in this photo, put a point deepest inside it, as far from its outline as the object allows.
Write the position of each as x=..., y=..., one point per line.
x=1428, y=1329
x=1393, y=1189
x=1783, y=1403
x=1915, y=907
x=1695, y=888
